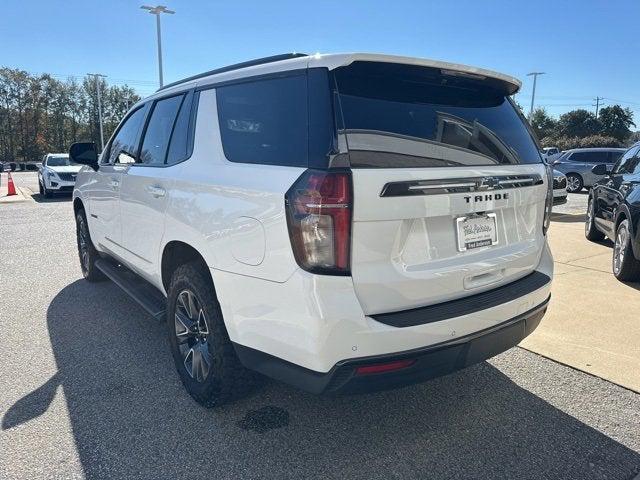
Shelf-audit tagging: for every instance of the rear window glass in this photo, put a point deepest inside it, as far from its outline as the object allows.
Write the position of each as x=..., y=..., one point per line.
x=265, y=121
x=403, y=115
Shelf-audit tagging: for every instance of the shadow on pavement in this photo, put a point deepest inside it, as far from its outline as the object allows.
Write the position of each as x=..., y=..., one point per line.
x=55, y=198
x=131, y=418
x=568, y=217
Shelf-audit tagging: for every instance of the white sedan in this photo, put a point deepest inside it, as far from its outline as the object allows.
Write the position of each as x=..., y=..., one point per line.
x=57, y=174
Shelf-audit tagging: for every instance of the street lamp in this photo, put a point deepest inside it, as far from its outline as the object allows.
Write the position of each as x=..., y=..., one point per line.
x=533, y=95
x=97, y=77
x=157, y=11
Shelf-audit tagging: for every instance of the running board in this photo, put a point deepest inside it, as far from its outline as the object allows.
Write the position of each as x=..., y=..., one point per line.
x=148, y=296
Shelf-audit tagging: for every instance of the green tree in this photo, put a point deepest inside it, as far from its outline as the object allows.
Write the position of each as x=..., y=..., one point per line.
x=578, y=123
x=616, y=122
x=542, y=123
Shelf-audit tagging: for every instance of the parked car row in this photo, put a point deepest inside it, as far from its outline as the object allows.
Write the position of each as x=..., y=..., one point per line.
x=577, y=165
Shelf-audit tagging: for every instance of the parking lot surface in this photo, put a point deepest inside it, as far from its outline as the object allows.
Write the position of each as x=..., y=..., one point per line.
x=88, y=390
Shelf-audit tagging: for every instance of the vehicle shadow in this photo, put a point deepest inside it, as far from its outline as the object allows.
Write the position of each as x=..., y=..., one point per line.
x=568, y=217
x=56, y=198
x=131, y=417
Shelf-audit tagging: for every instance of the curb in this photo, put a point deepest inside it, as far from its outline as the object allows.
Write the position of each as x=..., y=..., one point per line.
x=20, y=197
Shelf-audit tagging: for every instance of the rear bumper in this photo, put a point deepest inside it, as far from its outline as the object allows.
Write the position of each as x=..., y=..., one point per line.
x=428, y=362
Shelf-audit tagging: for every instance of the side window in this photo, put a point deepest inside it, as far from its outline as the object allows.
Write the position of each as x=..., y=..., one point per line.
x=179, y=143
x=594, y=156
x=158, y=131
x=626, y=163
x=613, y=157
x=576, y=157
x=126, y=140
x=265, y=121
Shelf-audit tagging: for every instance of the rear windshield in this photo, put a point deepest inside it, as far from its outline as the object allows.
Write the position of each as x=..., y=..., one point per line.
x=406, y=116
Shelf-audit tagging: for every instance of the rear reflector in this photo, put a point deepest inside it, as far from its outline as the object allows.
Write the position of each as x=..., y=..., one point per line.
x=384, y=367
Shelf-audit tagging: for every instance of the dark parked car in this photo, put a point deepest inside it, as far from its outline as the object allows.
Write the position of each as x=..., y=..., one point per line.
x=614, y=210
x=576, y=164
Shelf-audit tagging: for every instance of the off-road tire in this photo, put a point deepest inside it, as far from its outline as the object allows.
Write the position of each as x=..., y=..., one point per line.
x=227, y=378
x=87, y=265
x=590, y=230
x=629, y=268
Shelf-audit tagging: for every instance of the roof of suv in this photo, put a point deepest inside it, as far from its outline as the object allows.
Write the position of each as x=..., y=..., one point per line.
x=597, y=149
x=331, y=61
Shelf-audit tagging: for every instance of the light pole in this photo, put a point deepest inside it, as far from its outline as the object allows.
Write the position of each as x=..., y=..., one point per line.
x=157, y=11
x=533, y=95
x=97, y=77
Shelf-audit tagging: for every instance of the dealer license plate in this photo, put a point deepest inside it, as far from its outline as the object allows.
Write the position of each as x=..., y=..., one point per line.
x=476, y=231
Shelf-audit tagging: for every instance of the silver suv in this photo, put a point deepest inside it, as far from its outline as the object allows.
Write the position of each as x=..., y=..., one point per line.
x=576, y=164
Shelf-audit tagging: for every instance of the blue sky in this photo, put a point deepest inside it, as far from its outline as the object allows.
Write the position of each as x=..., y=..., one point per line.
x=587, y=47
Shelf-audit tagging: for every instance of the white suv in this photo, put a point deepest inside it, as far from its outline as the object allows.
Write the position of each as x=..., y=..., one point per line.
x=57, y=174
x=342, y=223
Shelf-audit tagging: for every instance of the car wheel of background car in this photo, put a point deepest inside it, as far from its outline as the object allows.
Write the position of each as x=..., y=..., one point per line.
x=574, y=182
x=203, y=354
x=46, y=191
x=40, y=188
x=86, y=250
x=590, y=230
x=625, y=265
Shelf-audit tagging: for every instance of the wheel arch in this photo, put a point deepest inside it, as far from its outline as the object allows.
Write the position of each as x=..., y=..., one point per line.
x=176, y=253
x=77, y=205
x=623, y=213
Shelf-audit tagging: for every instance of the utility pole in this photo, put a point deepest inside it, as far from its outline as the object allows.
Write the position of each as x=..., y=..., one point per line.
x=96, y=77
x=597, y=105
x=533, y=95
x=157, y=11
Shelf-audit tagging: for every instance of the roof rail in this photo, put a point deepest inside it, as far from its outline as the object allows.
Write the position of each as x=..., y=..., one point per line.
x=237, y=66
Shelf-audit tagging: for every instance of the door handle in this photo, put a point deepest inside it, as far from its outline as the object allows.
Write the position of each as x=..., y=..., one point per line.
x=114, y=184
x=156, y=191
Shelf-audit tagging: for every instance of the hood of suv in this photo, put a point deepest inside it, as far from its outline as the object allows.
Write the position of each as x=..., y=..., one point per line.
x=66, y=169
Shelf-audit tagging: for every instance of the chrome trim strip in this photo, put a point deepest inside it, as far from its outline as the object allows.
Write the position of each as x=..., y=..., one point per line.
x=459, y=185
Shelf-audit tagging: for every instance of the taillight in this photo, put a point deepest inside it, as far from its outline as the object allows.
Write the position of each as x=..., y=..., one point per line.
x=319, y=219
x=549, y=200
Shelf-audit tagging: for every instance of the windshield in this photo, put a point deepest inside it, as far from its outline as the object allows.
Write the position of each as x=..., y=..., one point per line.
x=59, y=162
x=404, y=115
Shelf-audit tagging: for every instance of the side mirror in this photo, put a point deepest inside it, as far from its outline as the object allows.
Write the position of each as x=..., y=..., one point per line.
x=600, y=169
x=84, y=153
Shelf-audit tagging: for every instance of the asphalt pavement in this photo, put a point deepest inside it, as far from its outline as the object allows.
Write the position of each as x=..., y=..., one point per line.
x=88, y=390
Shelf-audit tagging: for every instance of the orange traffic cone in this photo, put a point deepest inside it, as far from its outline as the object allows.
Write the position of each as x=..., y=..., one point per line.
x=11, y=187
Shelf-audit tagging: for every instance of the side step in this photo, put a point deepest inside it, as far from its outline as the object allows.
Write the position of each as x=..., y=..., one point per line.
x=148, y=296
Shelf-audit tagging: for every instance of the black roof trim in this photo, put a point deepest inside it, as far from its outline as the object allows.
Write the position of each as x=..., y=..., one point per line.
x=237, y=66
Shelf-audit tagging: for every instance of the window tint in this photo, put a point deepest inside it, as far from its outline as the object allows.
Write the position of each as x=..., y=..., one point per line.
x=627, y=162
x=158, y=132
x=614, y=157
x=590, y=157
x=404, y=115
x=179, y=144
x=265, y=121
x=127, y=137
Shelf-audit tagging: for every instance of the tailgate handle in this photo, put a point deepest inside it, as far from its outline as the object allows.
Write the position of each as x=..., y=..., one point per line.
x=482, y=279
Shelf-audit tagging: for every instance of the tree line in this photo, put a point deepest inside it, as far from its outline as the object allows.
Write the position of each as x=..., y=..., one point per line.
x=581, y=128
x=40, y=114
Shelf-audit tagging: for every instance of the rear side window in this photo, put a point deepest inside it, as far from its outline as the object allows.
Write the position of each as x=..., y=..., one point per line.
x=265, y=121
x=159, y=128
x=590, y=157
x=405, y=115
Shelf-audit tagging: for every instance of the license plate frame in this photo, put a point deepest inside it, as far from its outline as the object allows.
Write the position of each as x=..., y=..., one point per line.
x=468, y=241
